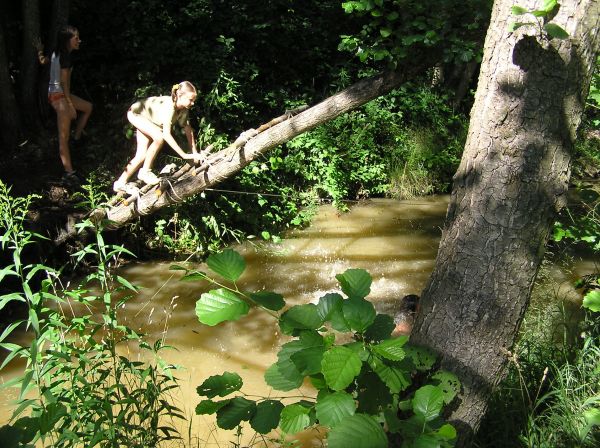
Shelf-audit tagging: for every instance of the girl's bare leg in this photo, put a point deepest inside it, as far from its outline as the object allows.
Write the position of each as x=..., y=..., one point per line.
x=140, y=154
x=63, y=121
x=155, y=134
x=85, y=107
x=153, y=150
x=146, y=131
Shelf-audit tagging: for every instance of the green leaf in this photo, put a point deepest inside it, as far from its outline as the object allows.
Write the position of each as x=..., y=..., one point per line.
x=426, y=441
x=9, y=329
x=234, y=412
x=194, y=276
x=7, y=298
x=50, y=416
x=338, y=321
x=592, y=416
x=549, y=5
x=393, y=377
x=294, y=418
x=357, y=431
x=332, y=408
x=340, y=366
x=228, y=264
x=267, y=416
x=394, y=424
x=391, y=348
x=372, y=393
x=268, y=300
x=207, y=407
x=539, y=13
x=518, y=10
x=284, y=376
x=127, y=284
x=360, y=349
x=300, y=317
x=220, y=385
x=385, y=32
x=591, y=300
x=219, y=305
x=513, y=26
x=308, y=359
x=33, y=320
x=328, y=304
x=381, y=328
x=176, y=267
x=423, y=359
x=359, y=313
x=318, y=381
x=7, y=270
x=448, y=384
x=428, y=402
x=356, y=283
x=446, y=432
x=555, y=31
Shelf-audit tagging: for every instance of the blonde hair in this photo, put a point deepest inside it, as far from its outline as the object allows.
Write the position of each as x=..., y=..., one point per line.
x=182, y=87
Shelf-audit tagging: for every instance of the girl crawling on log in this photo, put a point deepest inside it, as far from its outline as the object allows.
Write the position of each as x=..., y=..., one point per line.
x=154, y=119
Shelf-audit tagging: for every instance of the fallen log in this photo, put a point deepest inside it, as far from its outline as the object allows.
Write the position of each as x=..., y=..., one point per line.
x=190, y=180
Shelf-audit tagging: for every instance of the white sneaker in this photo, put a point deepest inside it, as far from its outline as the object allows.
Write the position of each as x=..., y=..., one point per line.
x=148, y=177
x=168, y=169
x=119, y=186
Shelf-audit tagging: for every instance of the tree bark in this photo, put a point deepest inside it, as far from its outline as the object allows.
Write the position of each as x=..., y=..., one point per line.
x=30, y=65
x=229, y=161
x=60, y=18
x=9, y=111
x=511, y=182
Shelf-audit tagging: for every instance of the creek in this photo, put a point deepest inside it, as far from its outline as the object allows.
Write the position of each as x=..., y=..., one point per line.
x=395, y=241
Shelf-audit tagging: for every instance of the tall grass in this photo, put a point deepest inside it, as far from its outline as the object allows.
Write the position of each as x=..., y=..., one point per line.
x=550, y=397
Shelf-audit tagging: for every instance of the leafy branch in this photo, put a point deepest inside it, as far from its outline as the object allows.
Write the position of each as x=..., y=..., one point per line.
x=541, y=20
x=361, y=387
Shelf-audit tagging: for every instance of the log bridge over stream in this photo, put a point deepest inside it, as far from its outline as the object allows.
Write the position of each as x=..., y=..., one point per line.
x=190, y=180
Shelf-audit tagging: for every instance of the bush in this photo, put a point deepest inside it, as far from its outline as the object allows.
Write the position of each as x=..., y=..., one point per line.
x=76, y=389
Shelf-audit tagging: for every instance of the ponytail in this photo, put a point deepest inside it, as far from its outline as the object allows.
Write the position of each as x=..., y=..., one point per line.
x=174, y=90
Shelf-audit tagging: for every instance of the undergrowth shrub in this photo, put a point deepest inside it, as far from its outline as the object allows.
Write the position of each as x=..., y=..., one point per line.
x=551, y=394
x=365, y=393
x=77, y=388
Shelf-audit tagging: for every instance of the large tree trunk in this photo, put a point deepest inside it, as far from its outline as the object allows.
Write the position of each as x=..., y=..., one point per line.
x=231, y=160
x=511, y=181
x=60, y=18
x=30, y=65
x=9, y=111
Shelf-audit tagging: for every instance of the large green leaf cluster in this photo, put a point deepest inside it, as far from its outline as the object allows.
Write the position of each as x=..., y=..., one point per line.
x=396, y=30
x=359, y=385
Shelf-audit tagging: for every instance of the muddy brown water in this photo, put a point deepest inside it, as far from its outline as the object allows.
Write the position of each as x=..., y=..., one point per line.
x=395, y=241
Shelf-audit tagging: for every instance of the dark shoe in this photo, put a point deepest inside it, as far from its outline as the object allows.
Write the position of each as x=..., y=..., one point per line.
x=71, y=179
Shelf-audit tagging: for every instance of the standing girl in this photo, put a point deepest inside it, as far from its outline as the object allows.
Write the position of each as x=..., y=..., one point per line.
x=60, y=97
x=153, y=119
